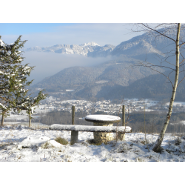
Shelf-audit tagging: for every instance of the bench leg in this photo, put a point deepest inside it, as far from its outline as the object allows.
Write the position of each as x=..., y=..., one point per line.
x=74, y=137
x=121, y=136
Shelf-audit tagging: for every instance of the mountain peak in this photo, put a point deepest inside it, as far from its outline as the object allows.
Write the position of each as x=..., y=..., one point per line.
x=90, y=44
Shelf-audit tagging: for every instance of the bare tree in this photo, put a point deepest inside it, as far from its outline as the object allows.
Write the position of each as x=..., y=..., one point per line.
x=171, y=32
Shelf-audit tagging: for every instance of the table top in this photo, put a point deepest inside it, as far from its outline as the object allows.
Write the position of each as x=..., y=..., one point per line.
x=103, y=118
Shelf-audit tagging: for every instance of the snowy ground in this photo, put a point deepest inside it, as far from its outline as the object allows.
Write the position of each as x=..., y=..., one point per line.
x=23, y=144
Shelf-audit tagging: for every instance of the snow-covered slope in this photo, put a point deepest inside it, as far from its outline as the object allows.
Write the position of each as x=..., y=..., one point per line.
x=140, y=45
x=23, y=144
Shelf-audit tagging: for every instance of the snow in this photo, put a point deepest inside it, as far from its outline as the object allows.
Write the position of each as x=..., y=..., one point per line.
x=3, y=106
x=90, y=44
x=82, y=49
x=179, y=123
x=1, y=43
x=32, y=141
x=20, y=143
x=69, y=90
x=100, y=117
x=90, y=128
x=101, y=81
x=26, y=69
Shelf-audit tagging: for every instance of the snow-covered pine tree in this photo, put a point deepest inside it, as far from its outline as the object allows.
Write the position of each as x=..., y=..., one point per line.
x=13, y=76
x=13, y=81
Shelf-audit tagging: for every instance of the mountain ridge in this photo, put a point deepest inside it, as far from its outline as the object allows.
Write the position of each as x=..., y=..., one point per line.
x=138, y=45
x=82, y=49
x=118, y=72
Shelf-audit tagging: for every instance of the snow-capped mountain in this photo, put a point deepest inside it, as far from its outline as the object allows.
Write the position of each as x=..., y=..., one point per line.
x=82, y=49
x=137, y=47
x=90, y=44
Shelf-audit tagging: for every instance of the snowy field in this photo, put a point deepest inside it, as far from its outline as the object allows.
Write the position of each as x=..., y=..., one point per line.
x=24, y=144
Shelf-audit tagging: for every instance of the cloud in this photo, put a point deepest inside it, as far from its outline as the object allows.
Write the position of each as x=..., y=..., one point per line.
x=48, y=64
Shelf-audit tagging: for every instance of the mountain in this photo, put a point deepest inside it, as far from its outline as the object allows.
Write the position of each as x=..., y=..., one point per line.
x=101, y=51
x=139, y=47
x=146, y=47
x=88, y=82
x=88, y=49
x=154, y=86
x=119, y=78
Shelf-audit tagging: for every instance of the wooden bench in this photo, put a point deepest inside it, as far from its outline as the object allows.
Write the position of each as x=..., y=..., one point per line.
x=85, y=128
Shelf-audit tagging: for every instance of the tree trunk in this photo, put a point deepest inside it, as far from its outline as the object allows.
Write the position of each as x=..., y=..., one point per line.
x=157, y=146
x=73, y=115
x=30, y=119
x=120, y=135
x=2, y=120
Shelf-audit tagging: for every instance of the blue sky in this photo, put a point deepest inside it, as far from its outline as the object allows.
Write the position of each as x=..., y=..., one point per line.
x=27, y=28
x=48, y=34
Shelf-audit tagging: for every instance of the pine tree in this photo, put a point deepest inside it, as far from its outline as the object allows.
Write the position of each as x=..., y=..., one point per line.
x=12, y=75
x=13, y=80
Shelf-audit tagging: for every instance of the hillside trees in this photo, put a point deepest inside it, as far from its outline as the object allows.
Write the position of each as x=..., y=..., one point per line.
x=173, y=61
x=13, y=79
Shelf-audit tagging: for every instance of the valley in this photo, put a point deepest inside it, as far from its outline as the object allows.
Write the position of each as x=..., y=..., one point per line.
x=86, y=107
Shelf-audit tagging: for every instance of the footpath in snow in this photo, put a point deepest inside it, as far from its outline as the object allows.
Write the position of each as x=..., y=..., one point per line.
x=21, y=143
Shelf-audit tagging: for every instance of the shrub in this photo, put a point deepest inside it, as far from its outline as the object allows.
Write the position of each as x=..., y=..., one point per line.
x=61, y=141
x=46, y=145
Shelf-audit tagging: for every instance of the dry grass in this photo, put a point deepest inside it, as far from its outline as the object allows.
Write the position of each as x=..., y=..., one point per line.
x=61, y=141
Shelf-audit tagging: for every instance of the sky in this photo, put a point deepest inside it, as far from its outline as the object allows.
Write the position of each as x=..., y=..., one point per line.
x=49, y=34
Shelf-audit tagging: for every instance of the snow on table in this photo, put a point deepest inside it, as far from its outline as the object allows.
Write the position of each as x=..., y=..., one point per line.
x=102, y=118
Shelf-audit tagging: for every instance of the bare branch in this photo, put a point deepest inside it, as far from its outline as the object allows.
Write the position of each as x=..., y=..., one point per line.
x=153, y=65
x=169, y=62
x=182, y=71
x=182, y=60
x=181, y=44
x=180, y=81
x=145, y=25
x=170, y=73
x=143, y=65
